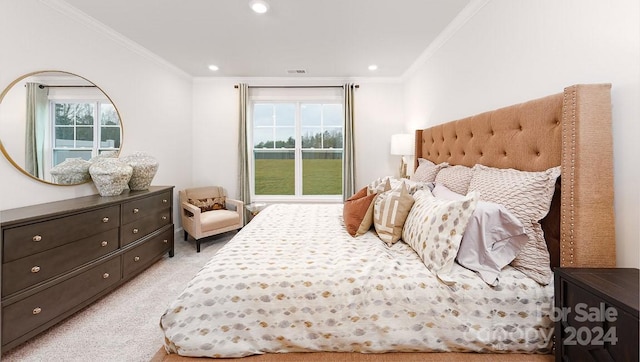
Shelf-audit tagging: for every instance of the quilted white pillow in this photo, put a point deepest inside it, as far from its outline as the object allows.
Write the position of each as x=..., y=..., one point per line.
x=528, y=196
x=434, y=229
x=455, y=178
x=427, y=171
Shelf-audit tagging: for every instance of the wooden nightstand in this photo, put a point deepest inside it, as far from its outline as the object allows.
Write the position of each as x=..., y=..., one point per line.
x=596, y=314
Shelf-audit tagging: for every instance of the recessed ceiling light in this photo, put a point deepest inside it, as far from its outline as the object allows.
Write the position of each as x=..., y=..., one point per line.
x=259, y=6
x=213, y=67
x=373, y=67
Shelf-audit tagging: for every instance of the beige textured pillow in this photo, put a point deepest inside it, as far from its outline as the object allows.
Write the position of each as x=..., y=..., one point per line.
x=528, y=196
x=427, y=171
x=434, y=229
x=390, y=211
x=455, y=178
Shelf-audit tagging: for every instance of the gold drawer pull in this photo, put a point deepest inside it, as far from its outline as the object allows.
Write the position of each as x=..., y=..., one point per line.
x=35, y=269
x=164, y=217
x=135, y=231
x=137, y=258
x=104, y=243
x=105, y=219
x=165, y=241
x=105, y=275
x=136, y=210
x=37, y=238
x=37, y=310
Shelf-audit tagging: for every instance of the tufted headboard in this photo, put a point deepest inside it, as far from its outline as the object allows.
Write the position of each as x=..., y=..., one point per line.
x=571, y=129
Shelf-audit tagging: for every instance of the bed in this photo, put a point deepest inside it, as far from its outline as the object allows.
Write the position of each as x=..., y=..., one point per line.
x=295, y=281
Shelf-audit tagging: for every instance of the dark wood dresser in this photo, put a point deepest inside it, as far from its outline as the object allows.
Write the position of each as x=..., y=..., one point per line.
x=59, y=257
x=596, y=314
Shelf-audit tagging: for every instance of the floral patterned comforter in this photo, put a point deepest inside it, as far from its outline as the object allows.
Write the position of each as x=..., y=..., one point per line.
x=293, y=280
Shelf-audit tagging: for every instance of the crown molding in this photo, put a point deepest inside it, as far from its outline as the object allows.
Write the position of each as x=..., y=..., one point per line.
x=456, y=24
x=298, y=80
x=86, y=20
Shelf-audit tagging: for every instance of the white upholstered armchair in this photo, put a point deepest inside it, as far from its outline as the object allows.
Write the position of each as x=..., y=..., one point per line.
x=207, y=211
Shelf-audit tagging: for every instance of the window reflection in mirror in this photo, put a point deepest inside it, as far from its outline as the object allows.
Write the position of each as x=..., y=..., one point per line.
x=49, y=117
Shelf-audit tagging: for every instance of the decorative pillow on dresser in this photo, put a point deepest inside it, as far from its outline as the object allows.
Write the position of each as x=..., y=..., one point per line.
x=492, y=239
x=528, y=196
x=390, y=212
x=427, y=171
x=357, y=212
x=455, y=178
x=434, y=229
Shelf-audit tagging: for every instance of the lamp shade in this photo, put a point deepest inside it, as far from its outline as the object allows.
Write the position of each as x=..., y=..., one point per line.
x=402, y=144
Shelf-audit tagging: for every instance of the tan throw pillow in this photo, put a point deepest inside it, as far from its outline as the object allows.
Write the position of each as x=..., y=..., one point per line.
x=455, y=178
x=528, y=196
x=389, y=213
x=357, y=212
x=427, y=171
x=434, y=229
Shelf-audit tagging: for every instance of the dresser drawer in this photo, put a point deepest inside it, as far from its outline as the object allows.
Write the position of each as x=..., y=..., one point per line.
x=596, y=330
x=23, y=316
x=144, y=226
x=138, y=209
x=22, y=241
x=25, y=272
x=141, y=256
x=596, y=314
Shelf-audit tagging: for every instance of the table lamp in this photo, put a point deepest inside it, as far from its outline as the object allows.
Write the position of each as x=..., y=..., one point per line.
x=402, y=144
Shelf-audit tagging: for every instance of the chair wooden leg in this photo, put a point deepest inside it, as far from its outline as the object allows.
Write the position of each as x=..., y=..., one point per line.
x=198, y=245
x=186, y=236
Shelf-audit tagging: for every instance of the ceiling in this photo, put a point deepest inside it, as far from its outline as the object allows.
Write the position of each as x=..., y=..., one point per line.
x=327, y=38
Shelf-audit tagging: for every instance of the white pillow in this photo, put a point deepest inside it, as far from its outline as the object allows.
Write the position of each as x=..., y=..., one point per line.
x=492, y=239
x=434, y=229
x=387, y=183
x=379, y=185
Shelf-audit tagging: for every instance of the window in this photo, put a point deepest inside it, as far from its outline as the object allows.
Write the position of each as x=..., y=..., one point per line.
x=297, y=149
x=83, y=129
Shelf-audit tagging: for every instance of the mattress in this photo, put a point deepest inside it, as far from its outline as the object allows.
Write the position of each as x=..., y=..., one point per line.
x=293, y=280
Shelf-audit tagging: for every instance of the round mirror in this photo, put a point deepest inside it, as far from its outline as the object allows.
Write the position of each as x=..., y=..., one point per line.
x=52, y=120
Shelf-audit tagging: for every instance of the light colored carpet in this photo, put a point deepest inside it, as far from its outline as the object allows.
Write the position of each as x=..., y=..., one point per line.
x=124, y=325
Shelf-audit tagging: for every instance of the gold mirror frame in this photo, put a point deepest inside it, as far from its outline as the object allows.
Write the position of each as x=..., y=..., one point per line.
x=22, y=79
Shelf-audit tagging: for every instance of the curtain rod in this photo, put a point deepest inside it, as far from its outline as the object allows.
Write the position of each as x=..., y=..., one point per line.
x=296, y=86
x=42, y=86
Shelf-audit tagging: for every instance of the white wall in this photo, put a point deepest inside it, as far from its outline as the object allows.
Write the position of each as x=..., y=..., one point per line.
x=513, y=51
x=153, y=98
x=378, y=107
x=510, y=51
x=189, y=124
